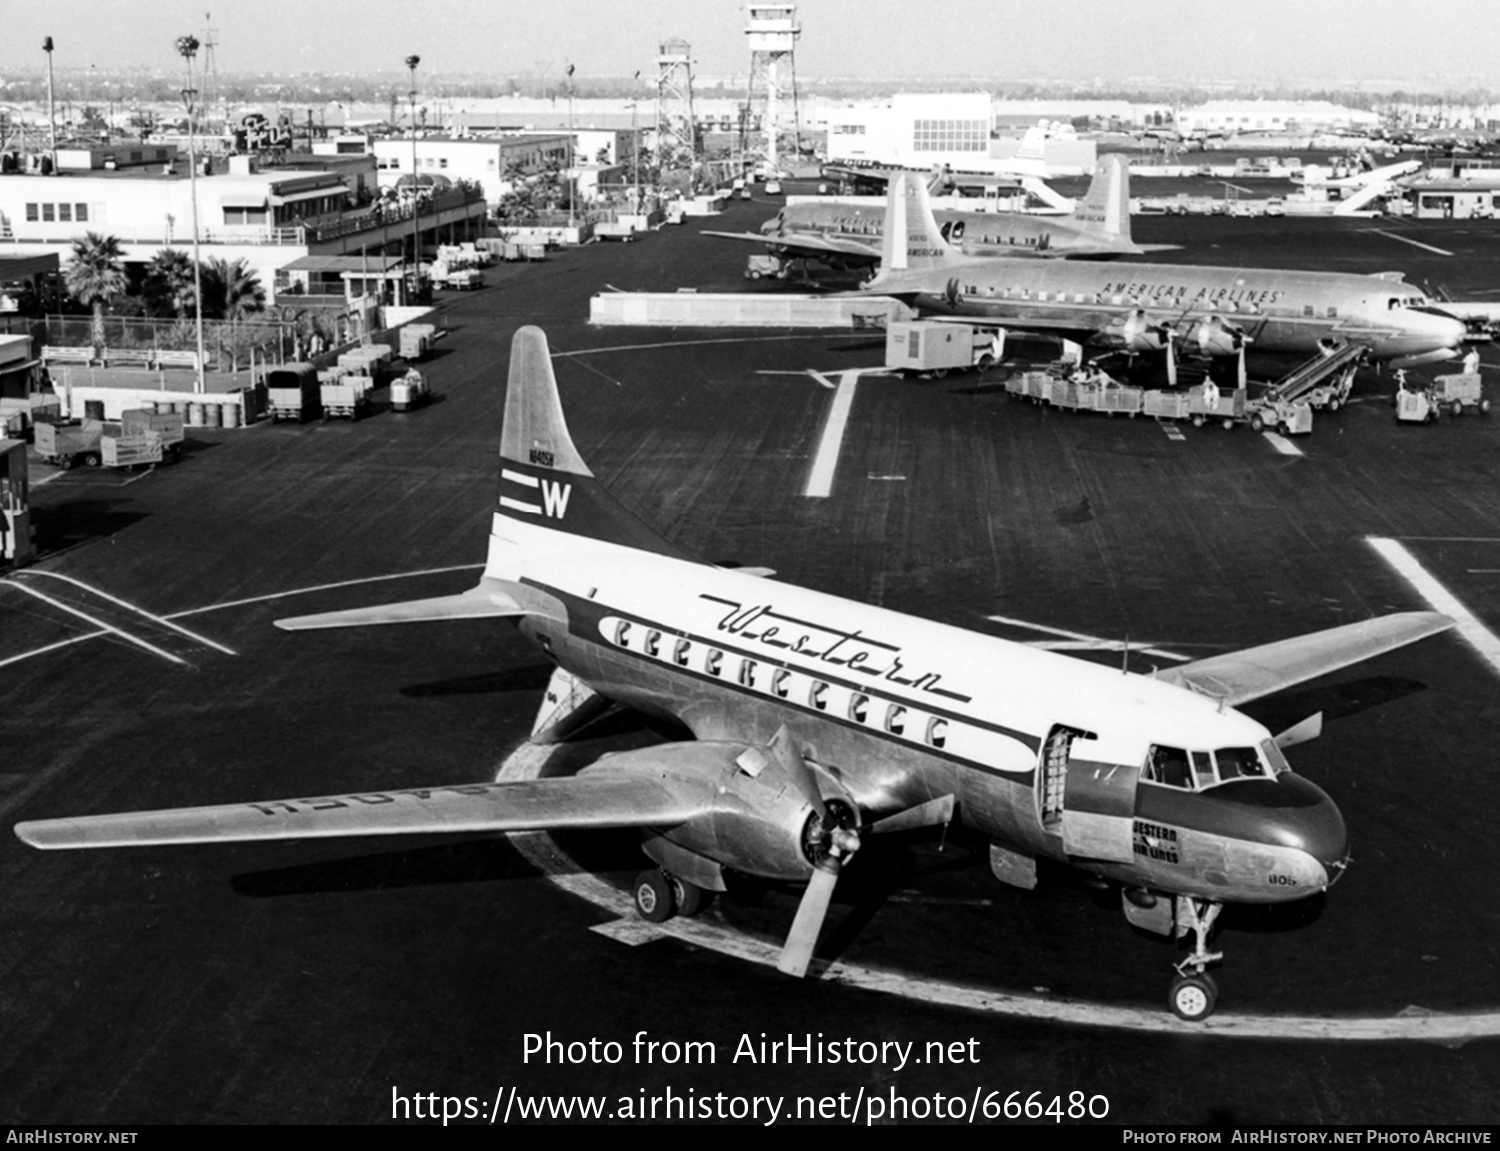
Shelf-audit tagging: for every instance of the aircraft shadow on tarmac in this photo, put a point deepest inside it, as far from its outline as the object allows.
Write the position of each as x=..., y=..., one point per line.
x=74, y=523
x=1336, y=701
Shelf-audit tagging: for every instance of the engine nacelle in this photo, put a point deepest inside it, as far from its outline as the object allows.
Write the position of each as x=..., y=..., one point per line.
x=759, y=822
x=1133, y=333
x=1213, y=337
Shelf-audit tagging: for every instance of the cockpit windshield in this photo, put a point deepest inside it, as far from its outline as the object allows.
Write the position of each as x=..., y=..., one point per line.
x=1195, y=770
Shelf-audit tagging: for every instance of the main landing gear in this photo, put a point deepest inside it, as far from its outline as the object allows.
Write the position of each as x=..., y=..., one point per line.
x=1194, y=991
x=659, y=895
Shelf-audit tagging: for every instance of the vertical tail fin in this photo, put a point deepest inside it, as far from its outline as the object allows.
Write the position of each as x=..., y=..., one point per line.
x=912, y=241
x=543, y=479
x=1105, y=207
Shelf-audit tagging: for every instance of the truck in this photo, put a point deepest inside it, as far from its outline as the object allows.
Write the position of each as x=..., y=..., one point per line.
x=292, y=392
x=932, y=349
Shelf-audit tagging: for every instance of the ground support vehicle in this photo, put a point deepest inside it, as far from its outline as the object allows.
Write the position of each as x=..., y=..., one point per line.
x=68, y=443
x=130, y=451
x=373, y=360
x=1165, y=405
x=292, y=392
x=1289, y=417
x=347, y=397
x=165, y=426
x=932, y=349
x=1207, y=402
x=765, y=267
x=1416, y=406
x=1115, y=397
x=409, y=391
x=1323, y=382
x=416, y=341
x=1460, y=390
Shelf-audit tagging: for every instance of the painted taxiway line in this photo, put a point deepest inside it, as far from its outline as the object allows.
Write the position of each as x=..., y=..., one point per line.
x=98, y=623
x=1078, y=640
x=826, y=461
x=1282, y=444
x=118, y=602
x=1407, y=240
x=529, y=760
x=1440, y=598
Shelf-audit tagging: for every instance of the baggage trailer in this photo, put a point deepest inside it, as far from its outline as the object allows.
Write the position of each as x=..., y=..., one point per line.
x=933, y=349
x=347, y=398
x=1207, y=402
x=292, y=392
x=68, y=443
x=417, y=341
x=409, y=391
x=165, y=426
x=131, y=451
x=1460, y=390
x=373, y=360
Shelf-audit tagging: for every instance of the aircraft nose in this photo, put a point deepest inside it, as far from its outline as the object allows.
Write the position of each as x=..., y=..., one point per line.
x=1308, y=820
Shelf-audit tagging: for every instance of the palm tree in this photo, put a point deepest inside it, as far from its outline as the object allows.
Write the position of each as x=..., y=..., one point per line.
x=231, y=291
x=169, y=282
x=96, y=276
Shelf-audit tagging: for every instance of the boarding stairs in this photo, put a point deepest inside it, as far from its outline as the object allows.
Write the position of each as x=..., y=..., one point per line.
x=1323, y=381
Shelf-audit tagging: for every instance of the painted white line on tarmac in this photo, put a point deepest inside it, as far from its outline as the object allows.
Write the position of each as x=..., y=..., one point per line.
x=99, y=623
x=1282, y=444
x=1480, y=637
x=163, y=621
x=528, y=761
x=820, y=482
x=1172, y=430
x=1413, y=243
x=1079, y=640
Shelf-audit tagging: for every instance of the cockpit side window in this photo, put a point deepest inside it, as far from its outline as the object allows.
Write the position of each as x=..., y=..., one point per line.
x=1238, y=763
x=1274, y=757
x=1168, y=765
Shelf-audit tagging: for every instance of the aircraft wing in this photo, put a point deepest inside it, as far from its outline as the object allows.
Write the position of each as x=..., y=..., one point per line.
x=1242, y=676
x=482, y=602
x=806, y=243
x=603, y=799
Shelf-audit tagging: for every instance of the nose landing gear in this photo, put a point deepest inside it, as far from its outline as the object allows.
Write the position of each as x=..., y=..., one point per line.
x=1194, y=992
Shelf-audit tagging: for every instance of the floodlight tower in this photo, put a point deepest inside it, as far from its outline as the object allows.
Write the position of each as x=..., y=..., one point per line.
x=773, y=33
x=676, y=135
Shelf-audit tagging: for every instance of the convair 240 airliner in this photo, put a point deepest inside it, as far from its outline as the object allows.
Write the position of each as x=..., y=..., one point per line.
x=1150, y=307
x=818, y=721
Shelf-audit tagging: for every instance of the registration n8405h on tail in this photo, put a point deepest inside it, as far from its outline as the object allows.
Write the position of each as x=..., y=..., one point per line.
x=820, y=722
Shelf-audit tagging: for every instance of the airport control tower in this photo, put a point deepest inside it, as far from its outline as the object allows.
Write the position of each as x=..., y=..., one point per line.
x=676, y=138
x=773, y=33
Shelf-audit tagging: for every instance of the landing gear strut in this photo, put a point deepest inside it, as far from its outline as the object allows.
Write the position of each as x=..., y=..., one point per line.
x=1194, y=991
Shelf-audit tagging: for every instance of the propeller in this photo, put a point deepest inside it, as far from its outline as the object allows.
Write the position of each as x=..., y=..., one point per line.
x=838, y=845
x=1310, y=728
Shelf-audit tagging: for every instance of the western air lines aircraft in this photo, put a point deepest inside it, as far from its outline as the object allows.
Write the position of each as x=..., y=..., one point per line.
x=1153, y=307
x=850, y=235
x=819, y=721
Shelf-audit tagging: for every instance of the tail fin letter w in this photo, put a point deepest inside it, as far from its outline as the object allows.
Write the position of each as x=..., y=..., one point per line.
x=555, y=498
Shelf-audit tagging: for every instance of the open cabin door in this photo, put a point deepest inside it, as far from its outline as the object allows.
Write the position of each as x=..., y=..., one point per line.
x=1090, y=804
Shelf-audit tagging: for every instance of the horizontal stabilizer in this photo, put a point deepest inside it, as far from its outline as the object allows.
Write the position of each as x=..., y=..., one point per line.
x=590, y=800
x=1241, y=676
x=479, y=603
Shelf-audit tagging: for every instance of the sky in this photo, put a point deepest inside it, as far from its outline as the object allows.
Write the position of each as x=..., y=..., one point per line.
x=1084, y=40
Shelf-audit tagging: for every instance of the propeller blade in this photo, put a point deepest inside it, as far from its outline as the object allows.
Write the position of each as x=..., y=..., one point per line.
x=1171, y=359
x=1242, y=379
x=1309, y=728
x=797, y=771
x=797, y=952
x=930, y=814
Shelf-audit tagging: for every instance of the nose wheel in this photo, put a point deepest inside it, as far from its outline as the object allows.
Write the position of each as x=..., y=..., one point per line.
x=1194, y=992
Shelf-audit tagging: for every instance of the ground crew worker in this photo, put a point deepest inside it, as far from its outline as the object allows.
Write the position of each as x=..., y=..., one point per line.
x=1471, y=361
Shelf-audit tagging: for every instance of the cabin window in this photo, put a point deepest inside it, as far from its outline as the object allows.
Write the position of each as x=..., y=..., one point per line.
x=937, y=731
x=1333, y=313
x=859, y=706
x=818, y=695
x=680, y=652
x=747, y=673
x=895, y=719
x=653, y=642
x=1168, y=765
x=622, y=633
x=990, y=290
x=781, y=683
x=713, y=662
x=1307, y=310
x=1238, y=763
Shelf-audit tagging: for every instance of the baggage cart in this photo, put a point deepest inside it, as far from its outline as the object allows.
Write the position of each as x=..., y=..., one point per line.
x=68, y=443
x=166, y=426
x=1211, y=403
x=1460, y=390
x=348, y=399
x=127, y=451
x=416, y=341
x=1165, y=405
x=1119, y=398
